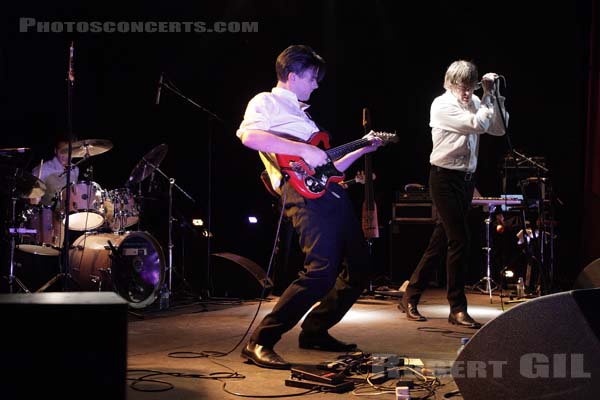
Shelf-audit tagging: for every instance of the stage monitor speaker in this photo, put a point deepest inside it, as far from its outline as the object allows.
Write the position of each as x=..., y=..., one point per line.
x=590, y=276
x=546, y=348
x=237, y=276
x=70, y=345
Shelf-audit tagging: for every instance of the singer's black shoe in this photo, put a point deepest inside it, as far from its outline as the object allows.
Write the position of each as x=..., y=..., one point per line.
x=412, y=313
x=323, y=341
x=463, y=319
x=263, y=356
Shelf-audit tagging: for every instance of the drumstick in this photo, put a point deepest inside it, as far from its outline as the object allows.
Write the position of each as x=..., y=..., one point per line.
x=41, y=166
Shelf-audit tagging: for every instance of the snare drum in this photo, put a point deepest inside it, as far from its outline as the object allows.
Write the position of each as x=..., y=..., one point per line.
x=42, y=234
x=122, y=211
x=132, y=264
x=86, y=208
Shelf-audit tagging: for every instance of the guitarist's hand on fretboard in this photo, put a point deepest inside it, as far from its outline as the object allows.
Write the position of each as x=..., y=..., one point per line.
x=374, y=142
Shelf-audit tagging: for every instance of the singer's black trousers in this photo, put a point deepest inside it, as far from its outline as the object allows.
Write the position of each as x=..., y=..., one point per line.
x=335, y=267
x=451, y=192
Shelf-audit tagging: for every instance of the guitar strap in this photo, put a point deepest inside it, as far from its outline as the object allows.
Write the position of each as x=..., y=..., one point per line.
x=264, y=175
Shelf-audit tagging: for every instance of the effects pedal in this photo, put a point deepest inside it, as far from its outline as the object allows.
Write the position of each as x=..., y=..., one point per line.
x=315, y=374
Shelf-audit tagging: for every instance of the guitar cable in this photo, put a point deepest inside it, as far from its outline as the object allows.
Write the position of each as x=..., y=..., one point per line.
x=262, y=294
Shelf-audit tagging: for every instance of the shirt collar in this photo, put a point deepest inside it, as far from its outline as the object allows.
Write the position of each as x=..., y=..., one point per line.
x=289, y=95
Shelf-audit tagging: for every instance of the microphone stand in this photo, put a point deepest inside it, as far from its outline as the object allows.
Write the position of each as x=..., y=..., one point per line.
x=170, y=236
x=66, y=243
x=211, y=117
x=511, y=150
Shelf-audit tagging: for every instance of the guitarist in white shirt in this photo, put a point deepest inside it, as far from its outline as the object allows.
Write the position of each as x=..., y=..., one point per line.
x=330, y=234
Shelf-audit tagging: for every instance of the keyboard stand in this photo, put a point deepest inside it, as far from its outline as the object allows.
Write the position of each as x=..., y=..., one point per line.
x=487, y=284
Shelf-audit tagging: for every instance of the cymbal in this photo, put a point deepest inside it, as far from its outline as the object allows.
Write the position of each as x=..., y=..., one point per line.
x=26, y=185
x=87, y=147
x=148, y=163
x=9, y=152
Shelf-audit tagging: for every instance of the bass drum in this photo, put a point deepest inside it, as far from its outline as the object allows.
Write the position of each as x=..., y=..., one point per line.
x=132, y=264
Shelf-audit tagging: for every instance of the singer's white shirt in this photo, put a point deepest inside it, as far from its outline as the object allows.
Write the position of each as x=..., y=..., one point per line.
x=50, y=175
x=455, y=129
x=277, y=111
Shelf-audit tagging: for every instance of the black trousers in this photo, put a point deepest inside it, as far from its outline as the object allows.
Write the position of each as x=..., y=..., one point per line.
x=451, y=192
x=335, y=266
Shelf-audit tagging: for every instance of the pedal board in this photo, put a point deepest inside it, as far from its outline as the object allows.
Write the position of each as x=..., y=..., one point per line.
x=313, y=377
x=341, y=387
x=316, y=374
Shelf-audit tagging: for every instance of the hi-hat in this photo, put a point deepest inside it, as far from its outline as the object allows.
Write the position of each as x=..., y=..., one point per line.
x=25, y=184
x=148, y=163
x=87, y=147
x=15, y=156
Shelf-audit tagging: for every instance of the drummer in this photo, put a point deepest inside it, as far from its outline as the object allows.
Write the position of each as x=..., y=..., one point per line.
x=51, y=173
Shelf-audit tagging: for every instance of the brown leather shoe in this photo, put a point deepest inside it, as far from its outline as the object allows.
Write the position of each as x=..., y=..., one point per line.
x=463, y=319
x=263, y=356
x=412, y=313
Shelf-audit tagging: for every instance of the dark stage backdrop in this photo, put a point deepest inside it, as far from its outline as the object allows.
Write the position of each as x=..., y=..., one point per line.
x=380, y=55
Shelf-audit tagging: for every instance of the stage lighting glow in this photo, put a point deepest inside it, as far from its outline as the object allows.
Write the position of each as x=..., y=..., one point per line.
x=197, y=222
x=252, y=219
x=509, y=274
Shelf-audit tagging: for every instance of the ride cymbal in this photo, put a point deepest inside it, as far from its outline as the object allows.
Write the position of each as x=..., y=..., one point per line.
x=87, y=147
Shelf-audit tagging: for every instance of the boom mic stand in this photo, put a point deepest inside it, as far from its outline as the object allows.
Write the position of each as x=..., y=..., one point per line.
x=211, y=117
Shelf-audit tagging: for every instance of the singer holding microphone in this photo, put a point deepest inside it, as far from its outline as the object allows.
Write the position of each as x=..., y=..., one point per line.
x=457, y=119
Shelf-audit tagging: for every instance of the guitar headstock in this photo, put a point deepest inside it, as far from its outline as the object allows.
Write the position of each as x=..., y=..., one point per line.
x=386, y=137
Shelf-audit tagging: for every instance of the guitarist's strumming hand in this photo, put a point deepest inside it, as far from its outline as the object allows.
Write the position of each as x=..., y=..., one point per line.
x=314, y=156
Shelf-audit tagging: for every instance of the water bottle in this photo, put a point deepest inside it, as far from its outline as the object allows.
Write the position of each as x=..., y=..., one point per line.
x=163, y=301
x=520, y=288
x=463, y=343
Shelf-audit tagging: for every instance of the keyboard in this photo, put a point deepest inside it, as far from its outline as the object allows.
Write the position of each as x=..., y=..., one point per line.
x=495, y=201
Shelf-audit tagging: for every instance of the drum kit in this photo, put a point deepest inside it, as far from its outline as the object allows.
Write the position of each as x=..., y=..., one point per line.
x=107, y=255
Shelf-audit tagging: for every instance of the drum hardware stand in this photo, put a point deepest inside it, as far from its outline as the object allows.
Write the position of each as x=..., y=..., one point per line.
x=211, y=117
x=12, y=278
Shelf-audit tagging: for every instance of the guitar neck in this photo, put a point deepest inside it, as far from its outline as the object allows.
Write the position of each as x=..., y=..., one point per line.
x=338, y=152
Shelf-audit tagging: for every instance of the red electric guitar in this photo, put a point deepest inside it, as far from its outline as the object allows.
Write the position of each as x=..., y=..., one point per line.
x=312, y=182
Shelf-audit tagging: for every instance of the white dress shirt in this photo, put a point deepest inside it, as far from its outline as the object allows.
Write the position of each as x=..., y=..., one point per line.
x=456, y=128
x=278, y=112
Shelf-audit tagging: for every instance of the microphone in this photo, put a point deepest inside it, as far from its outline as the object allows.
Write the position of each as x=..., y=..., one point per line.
x=160, y=83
